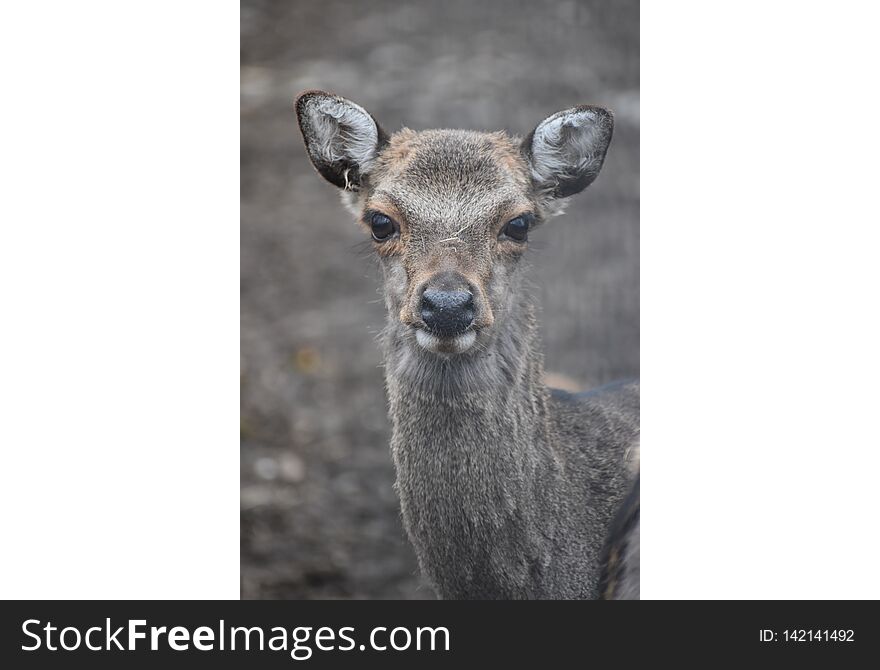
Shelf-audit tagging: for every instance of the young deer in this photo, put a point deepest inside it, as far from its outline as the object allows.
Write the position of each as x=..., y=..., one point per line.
x=507, y=488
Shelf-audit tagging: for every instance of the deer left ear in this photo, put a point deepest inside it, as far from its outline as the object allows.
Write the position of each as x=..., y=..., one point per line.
x=342, y=138
x=566, y=150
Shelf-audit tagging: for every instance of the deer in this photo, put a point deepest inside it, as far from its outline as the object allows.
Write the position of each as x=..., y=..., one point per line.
x=507, y=487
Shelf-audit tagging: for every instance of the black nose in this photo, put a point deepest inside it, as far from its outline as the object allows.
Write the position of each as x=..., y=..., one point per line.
x=447, y=313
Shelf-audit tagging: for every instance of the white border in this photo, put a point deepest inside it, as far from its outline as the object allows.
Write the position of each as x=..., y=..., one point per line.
x=760, y=329
x=119, y=274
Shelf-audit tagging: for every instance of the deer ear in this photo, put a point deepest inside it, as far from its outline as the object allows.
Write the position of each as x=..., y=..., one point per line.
x=341, y=137
x=566, y=151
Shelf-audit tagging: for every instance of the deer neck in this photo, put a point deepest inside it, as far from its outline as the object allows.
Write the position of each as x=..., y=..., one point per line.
x=469, y=441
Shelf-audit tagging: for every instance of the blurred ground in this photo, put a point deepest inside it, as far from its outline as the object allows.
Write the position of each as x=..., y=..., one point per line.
x=319, y=518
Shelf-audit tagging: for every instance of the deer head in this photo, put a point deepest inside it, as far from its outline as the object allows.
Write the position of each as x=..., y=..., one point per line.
x=450, y=211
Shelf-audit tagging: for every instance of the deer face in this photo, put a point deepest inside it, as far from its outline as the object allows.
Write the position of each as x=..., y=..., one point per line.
x=449, y=211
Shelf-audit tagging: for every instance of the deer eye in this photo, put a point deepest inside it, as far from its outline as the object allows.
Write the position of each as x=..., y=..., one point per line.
x=382, y=227
x=516, y=229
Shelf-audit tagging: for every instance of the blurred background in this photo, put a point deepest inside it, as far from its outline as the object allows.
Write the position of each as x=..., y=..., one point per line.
x=319, y=517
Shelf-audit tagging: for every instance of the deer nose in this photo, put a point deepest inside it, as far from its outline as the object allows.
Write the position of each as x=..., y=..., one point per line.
x=447, y=313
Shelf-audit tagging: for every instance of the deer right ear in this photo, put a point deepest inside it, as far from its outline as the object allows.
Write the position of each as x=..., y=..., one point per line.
x=566, y=150
x=342, y=139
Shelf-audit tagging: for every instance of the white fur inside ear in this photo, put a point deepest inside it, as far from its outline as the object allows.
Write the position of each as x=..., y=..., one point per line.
x=342, y=130
x=568, y=144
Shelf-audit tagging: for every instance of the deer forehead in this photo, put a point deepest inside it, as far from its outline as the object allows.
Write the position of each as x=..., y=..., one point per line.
x=440, y=181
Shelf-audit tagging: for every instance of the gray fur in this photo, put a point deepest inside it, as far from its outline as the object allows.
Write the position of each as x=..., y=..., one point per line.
x=342, y=138
x=621, y=559
x=507, y=488
x=567, y=149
